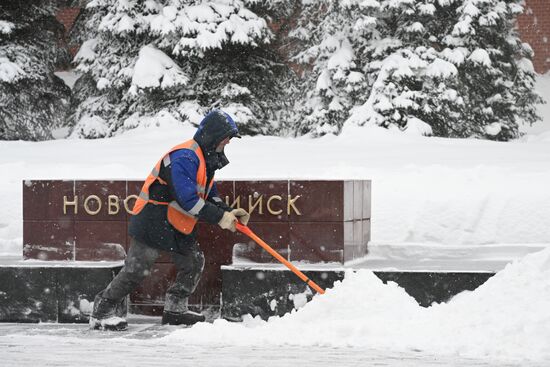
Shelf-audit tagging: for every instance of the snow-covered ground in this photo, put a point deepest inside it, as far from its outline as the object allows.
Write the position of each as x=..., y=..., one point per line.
x=425, y=190
x=32, y=346
x=457, y=200
x=360, y=321
x=440, y=193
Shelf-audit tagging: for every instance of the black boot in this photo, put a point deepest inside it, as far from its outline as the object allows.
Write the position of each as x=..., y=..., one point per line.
x=182, y=318
x=176, y=312
x=107, y=314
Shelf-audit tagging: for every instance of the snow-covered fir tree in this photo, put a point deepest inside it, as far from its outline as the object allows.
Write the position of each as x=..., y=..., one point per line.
x=33, y=101
x=332, y=75
x=495, y=71
x=177, y=58
x=409, y=78
x=445, y=67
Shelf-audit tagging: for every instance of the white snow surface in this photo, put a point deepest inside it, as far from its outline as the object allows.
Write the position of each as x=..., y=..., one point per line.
x=69, y=77
x=433, y=190
x=448, y=192
x=506, y=318
x=468, y=196
x=359, y=322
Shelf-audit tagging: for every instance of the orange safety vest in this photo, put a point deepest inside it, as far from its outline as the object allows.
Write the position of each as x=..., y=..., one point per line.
x=183, y=221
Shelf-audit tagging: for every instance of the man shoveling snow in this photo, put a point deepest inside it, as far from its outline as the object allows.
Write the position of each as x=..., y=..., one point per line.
x=178, y=192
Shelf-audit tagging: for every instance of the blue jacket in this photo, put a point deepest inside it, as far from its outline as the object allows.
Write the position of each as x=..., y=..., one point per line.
x=151, y=226
x=183, y=169
x=184, y=163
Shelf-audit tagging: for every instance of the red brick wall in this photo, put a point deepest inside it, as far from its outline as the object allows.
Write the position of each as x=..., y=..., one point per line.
x=534, y=28
x=67, y=17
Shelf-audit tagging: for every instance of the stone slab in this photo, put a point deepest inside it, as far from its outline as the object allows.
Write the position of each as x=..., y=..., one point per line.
x=76, y=290
x=40, y=293
x=266, y=292
x=274, y=291
x=28, y=294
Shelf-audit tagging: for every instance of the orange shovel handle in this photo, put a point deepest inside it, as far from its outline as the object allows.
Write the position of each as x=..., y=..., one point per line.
x=247, y=231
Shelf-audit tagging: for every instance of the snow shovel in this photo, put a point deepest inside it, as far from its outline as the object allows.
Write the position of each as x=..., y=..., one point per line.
x=247, y=231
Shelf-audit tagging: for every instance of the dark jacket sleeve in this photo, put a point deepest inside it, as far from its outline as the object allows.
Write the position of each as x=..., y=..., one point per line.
x=184, y=165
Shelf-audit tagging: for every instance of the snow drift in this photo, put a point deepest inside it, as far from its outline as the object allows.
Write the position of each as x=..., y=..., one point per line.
x=506, y=318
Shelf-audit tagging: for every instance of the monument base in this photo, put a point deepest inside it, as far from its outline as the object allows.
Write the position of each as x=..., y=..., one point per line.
x=272, y=290
x=51, y=291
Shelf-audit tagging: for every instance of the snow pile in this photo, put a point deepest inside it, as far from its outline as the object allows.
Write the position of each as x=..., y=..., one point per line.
x=506, y=318
x=92, y=126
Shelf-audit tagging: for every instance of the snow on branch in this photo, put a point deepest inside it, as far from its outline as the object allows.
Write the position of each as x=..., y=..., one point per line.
x=155, y=69
x=6, y=27
x=9, y=71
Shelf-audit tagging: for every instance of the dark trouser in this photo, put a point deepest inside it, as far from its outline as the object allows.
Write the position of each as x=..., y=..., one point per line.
x=138, y=265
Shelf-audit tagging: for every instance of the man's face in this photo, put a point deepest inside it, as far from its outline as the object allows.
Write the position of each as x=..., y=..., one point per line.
x=222, y=144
